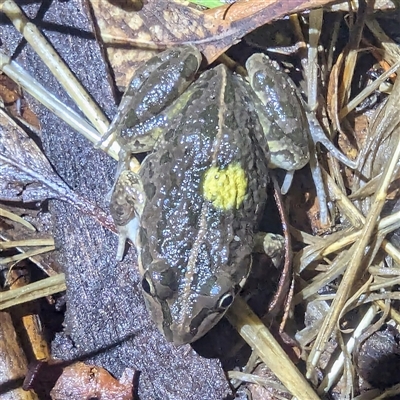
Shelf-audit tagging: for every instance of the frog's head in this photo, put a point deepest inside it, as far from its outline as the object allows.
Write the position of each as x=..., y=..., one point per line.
x=186, y=308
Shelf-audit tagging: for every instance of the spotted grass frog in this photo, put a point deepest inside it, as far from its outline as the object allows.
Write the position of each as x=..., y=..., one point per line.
x=193, y=208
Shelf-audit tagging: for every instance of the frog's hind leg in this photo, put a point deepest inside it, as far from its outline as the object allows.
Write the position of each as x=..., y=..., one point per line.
x=287, y=182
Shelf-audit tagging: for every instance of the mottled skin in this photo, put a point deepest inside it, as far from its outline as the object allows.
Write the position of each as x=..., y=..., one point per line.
x=281, y=112
x=154, y=86
x=194, y=254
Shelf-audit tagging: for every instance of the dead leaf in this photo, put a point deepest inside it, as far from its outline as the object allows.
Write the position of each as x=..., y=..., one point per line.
x=81, y=381
x=160, y=24
x=8, y=90
x=333, y=95
x=16, y=105
x=270, y=9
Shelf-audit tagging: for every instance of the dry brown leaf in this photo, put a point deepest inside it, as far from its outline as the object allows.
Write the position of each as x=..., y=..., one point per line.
x=160, y=24
x=8, y=90
x=271, y=9
x=13, y=363
x=81, y=381
x=11, y=96
x=156, y=26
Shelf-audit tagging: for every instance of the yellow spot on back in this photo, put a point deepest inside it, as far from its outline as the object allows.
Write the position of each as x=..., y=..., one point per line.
x=225, y=188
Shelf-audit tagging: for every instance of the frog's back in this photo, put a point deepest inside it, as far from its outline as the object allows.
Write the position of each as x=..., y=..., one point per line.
x=205, y=187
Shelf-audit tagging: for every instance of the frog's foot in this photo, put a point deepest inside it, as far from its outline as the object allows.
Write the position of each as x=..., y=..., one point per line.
x=125, y=163
x=273, y=245
x=126, y=207
x=128, y=231
x=318, y=136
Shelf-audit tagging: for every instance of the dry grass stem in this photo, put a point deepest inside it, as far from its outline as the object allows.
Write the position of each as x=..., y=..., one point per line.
x=388, y=122
x=33, y=291
x=28, y=243
x=35, y=89
x=258, y=380
x=262, y=341
x=25, y=255
x=335, y=371
x=16, y=218
x=56, y=65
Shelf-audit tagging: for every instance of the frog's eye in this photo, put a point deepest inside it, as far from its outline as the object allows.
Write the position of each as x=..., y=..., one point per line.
x=225, y=301
x=147, y=285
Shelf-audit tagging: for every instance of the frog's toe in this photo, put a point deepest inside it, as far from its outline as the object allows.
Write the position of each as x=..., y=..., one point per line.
x=106, y=140
x=126, y=207
x=318, y=136
x=128, y=231
x=273, y=245
x=287, y=182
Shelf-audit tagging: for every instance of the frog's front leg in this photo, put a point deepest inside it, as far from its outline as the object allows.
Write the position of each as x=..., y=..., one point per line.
x=281, y=115
x=273, y=245
x=153, y=87
x=126, y=206
x=288, y=127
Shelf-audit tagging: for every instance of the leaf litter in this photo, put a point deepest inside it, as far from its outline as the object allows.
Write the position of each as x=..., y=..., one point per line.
x=326, y=259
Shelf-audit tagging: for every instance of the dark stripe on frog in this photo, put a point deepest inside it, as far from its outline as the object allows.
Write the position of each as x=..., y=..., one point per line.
x=142, y=137
x=150, y=190
x=198, y=319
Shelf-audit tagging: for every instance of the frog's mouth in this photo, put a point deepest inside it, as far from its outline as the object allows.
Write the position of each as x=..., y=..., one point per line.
x=186, y=331
x=183, y=324
x=193, y=330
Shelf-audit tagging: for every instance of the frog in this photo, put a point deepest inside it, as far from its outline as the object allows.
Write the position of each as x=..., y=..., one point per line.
x=193, y=208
